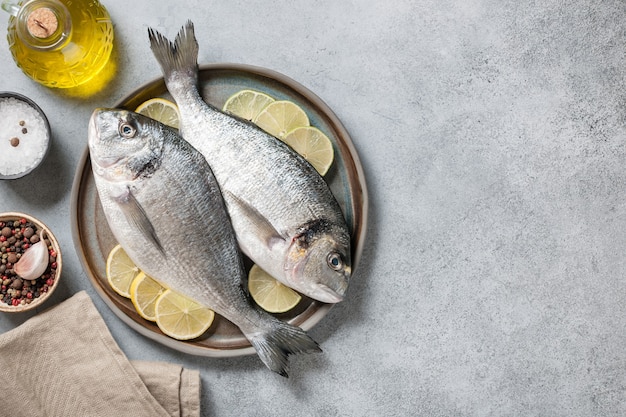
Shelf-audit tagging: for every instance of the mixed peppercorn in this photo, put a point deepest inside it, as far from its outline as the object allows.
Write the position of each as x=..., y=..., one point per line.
x=15, y=239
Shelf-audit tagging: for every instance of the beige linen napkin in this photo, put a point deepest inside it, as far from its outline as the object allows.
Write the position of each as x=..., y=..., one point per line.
x=64, y=362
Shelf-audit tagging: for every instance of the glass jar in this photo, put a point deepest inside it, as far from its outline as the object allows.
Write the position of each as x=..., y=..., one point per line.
x=60, y=43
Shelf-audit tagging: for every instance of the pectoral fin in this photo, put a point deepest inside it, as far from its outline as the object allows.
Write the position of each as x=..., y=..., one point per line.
x=263, y=228
x=136, y=215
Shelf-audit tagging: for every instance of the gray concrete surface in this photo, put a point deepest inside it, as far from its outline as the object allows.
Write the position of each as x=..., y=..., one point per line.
x=493, y=139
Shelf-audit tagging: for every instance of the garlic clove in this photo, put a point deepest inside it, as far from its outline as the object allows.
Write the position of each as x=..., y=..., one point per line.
x=34, y=261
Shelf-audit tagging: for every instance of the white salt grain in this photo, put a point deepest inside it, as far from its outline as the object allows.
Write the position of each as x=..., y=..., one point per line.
x=32, y=147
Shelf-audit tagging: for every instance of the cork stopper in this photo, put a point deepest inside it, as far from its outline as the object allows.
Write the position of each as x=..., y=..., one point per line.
x=42, y=23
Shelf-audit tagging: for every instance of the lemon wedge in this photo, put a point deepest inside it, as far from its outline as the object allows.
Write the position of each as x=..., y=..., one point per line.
x=281, y=117
x=120, y=271
x=144, y=293
x=313, y=145
x=271, y=295
x=180, y=317
x=247, y=104
x=161, y=110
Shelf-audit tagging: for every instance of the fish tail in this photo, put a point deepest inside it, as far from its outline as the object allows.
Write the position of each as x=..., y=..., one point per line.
x=275, y=345
x=178, y=57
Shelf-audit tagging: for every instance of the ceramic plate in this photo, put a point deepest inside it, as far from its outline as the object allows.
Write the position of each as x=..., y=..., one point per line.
x=93, y=238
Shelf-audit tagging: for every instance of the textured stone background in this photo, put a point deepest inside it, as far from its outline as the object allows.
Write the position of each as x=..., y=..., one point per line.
x=492, y=136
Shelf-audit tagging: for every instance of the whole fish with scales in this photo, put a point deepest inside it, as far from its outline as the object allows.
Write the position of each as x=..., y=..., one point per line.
x=283, y=213
x=165, y=208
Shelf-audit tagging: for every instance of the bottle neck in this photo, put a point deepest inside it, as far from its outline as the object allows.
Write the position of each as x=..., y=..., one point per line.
x=44, y=24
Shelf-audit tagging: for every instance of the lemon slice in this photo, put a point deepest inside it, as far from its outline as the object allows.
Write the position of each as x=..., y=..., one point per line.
x=144, y=292
x=161, y=110
x=247, y=104
x=281, y=117
x=313, y=145
x=271, y=295
x=120, y=271
x=181, y=317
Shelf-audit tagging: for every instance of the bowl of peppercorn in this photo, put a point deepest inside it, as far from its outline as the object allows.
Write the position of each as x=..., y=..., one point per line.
x=30, y=262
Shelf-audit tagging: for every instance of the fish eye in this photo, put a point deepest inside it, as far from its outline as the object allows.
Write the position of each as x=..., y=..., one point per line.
x=334, y=261
x=127, y=130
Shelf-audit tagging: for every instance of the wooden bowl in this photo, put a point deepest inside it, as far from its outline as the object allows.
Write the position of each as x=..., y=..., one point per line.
x=36, y=302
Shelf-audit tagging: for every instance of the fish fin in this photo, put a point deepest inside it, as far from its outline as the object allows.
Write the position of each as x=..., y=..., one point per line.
x=264, y=228
x=275, y=346
x=136, y=215
x=179, y=56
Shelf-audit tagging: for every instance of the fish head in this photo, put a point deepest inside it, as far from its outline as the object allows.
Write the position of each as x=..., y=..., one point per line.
x=124, y=145
x=319, y=263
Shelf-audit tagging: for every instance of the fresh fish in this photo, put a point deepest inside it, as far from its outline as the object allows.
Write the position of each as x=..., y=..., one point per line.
x=165, y=208
x=283, y=213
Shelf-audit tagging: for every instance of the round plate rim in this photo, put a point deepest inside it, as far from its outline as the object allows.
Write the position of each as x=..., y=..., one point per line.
x=322, y=310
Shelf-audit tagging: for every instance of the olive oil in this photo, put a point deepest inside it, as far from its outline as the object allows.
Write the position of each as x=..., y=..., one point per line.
x=60, y=43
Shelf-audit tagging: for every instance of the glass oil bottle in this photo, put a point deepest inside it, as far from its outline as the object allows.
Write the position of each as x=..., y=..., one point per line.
x=60, y=43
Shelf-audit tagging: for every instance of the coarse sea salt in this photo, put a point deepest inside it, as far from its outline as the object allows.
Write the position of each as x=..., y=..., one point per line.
x=24, y=137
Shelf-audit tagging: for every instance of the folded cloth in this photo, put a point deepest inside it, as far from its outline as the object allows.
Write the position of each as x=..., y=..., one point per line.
x=177, y=389
x=64, y=362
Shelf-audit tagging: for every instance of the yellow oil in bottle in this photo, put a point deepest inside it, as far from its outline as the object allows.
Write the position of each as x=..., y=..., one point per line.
x=61, y=43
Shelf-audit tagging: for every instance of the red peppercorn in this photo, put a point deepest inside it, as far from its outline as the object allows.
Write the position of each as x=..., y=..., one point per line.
x=49, y=282
x=23, y=220
x=15, y=302
x=53, y=265
x=3, y=239
x=53, y=253
x=29, y=295
x=25, y=246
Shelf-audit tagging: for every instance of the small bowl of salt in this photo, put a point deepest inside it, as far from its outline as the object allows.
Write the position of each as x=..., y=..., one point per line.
x=24, y=135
